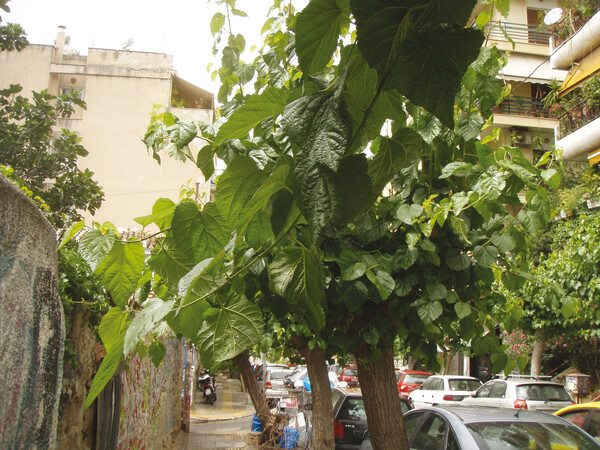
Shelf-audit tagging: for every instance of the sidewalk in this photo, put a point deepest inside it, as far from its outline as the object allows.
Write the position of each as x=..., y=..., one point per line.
x=223, y=425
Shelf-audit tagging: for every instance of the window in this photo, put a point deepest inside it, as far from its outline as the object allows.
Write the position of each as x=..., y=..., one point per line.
x=498, y=390
x=353, y=409
x=484, y=391
x=430, y=435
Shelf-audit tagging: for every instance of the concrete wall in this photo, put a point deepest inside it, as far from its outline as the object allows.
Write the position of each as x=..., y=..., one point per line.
x=31, y=324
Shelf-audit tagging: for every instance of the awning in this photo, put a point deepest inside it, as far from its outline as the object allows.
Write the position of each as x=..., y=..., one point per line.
x=581, y=71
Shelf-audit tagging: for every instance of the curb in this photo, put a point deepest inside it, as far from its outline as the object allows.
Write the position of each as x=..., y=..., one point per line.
x=204, y=419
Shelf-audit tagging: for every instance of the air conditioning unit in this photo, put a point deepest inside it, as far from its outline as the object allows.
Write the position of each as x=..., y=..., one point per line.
x=520, y=137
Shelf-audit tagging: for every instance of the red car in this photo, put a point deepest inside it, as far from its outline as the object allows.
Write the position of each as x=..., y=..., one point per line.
x=409, y=380
x=350, y=376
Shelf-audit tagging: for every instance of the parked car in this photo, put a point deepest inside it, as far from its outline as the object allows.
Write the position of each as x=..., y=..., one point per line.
x=443, y=389
x=349, y=375
x=467, y=428
x=585, y=416
x=409, y=380
x=521, y=392
x=349, y=417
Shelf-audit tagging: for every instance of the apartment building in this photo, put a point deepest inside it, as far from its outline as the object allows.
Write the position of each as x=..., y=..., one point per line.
x=578, y=132
x=522, y=118
x=120, y=88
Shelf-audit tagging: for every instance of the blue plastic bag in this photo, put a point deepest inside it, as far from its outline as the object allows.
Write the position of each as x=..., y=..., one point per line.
x=290, y=437
x=256, y=425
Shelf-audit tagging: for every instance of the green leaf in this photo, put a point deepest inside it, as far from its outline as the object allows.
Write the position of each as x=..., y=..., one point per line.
x=182, y=133
x=504, y=242
x=409, y=213
x=484, y=344
x=235, y=187
x=503, y=6
x=71, y=232
x=430, y=311
x=462, y=309
x=431, y=65
x=393, y=154
x=199, y=234
x=107, y=369
x=530, y=220
x=383, y=281
x=169, y=262
x=405, y=284
x=121, y=269
x=154, y=310
x=490, y=184
x=470, y=125
x=230, y=330
x=371, y=336
x=354, y=295
x=187, y=319
x=351, y=266
x=216, y=23
x=485, y=256
x=317, y=31
x=551, y=177
x=405, y=257
x=458, y=169
x=435, y=291
x=459, y=226
x=570, y=306
x=458, y=261
x=111, y=325
x=295, y=275
x=206, y=161
x=162, y=213
x=499, y=362
x=95, y=245
x=157, y=352
x=256, y=108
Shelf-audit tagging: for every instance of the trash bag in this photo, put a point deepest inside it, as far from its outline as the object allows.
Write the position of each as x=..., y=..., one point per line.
x=289, y=438
x=256, y=425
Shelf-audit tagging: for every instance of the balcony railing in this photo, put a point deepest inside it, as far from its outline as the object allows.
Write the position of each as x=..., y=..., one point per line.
x=523, y=106
x=578, y=116
x=518, y=32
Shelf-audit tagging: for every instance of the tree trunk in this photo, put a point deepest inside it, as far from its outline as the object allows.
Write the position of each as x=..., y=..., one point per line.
x=537, y=353
x=256, y=394
x=382, y=402
x=322, y=409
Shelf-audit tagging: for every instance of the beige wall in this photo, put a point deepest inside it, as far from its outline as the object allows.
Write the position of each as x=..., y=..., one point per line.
x=120, y=89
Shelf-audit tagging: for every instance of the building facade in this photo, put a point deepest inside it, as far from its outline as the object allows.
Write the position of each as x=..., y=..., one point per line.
x=522, y=118
x=120, y=88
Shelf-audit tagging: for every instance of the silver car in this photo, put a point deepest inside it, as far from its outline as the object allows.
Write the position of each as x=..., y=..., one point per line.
x=521, y=392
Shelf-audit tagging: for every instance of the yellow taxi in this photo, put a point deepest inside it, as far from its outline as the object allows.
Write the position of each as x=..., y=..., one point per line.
x=584, y=415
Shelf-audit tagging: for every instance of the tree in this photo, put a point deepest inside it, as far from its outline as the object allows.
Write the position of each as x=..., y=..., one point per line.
x=298, y=230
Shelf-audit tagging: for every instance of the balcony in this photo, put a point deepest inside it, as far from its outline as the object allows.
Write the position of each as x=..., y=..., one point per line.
x=517, y=32
x=523, y=106
x=577, y=117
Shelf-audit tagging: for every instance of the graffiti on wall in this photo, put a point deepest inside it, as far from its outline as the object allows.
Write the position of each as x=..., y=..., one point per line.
x=31, y=325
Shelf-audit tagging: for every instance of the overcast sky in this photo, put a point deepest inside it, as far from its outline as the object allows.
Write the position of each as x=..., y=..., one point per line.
x=177, y=27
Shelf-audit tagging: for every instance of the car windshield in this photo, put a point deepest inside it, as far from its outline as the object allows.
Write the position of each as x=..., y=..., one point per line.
x=542, y=392
x=413, y=378
x=298, y=375
x=350, y=373
x=464, y=385
x=532, y=435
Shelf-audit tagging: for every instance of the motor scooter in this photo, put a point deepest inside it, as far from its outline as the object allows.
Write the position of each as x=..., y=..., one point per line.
x=208, y=386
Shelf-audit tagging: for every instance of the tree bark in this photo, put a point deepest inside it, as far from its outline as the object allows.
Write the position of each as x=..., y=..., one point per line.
x=322, y=409
x=256, y=394
x=537, y=353
x=382, y=402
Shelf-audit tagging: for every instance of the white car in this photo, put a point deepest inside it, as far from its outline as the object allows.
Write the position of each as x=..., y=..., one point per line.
x=444, y=390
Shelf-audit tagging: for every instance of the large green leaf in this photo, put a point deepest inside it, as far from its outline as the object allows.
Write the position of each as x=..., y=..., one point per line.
x=317, y=31
x=110, y=327
x=256, y=108
x=199, y=234
x=318, y=125
x=169, y=261
x=182, y=133
x=393, y=154
x=107, y=369
x=354, y=295
x=162, y=213
x=230, y=330
x=295, y=275
x=188, y=320
x=485, y=256
x=153, y=311
x=71, y=232
x=429, y=311
x=235, y=187
x=95, y=245
x=121, y=269
x=383, y=281
x=428, y=59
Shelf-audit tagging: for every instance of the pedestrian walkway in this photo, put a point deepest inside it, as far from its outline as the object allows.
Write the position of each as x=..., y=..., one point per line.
x=223, y=425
